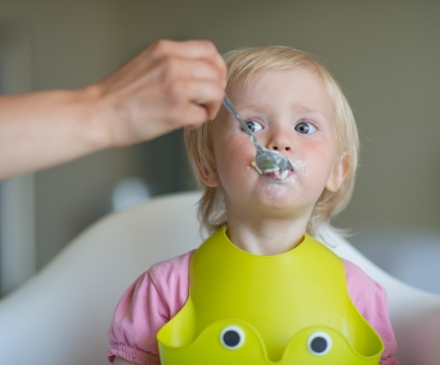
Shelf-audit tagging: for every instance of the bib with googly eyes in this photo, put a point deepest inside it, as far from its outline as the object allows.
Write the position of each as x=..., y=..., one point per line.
x=285, y=309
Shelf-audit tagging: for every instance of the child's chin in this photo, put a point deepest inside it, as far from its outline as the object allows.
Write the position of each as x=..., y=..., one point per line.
x=278, y=192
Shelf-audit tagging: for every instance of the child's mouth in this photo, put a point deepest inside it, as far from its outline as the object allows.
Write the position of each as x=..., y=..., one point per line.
x=274, y=173
x=280, y=174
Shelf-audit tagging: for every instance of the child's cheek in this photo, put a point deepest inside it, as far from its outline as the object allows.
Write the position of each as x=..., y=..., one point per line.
x=299, y=166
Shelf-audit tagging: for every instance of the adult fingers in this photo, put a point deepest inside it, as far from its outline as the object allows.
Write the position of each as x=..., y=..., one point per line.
x=207, y=95
x=194, y=49
x=193, y=102
x=181, y=68
x=186, y=49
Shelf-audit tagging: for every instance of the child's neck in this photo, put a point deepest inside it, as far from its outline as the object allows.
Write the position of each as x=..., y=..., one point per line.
x=270, y=237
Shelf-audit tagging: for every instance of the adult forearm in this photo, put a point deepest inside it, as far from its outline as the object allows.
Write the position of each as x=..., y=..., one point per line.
x=43, y=129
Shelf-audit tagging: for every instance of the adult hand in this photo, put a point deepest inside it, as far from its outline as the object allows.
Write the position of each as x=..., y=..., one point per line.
x=167, y=86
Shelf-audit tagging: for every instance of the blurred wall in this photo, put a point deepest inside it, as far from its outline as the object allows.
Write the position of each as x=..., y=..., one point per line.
x=385, y=55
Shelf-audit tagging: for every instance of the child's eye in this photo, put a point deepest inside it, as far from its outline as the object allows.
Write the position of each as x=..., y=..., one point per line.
x=305, y=128
x=254, y=126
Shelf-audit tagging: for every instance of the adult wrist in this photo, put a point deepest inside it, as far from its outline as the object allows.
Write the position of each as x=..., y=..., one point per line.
x=96, y=118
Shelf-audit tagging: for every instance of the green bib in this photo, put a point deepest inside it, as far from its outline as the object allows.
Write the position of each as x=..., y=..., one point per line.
x=291, y=308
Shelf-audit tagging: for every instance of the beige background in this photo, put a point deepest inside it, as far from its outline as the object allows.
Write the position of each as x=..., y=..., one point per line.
x=385, y=54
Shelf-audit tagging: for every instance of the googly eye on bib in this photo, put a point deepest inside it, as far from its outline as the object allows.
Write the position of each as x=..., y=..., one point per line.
x=232, y=337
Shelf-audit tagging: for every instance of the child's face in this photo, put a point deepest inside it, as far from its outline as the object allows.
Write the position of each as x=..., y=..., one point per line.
x=291, y=112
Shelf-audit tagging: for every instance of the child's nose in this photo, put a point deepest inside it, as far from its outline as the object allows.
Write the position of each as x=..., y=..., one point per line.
x=280, y=142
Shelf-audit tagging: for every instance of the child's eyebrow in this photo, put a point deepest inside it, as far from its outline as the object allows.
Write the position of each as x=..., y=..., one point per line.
x=306, y=109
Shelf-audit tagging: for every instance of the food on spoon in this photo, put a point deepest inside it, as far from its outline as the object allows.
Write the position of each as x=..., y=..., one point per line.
x=256, y=167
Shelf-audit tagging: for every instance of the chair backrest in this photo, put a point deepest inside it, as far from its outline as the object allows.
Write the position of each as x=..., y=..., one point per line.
x=61, y=316
x=415, y=314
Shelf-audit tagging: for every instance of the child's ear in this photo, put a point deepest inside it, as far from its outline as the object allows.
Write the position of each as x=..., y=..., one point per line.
x=338, y=174
x=208, y=174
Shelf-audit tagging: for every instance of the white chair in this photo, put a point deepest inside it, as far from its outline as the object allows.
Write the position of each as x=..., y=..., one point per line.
x=61, y=316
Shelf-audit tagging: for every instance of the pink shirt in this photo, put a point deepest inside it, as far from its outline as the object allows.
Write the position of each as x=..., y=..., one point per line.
x=158, y=294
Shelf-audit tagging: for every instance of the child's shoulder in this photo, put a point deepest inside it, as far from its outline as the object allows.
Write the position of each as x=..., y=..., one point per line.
x=166, y=282
x=363, y=289
x=176, y=266
x=355, y=274
x=370, y=298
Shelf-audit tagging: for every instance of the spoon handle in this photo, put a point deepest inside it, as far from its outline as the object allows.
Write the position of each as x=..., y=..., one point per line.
x=231, y=109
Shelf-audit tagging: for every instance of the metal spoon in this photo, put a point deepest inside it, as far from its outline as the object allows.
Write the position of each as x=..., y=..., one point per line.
x=266, y=161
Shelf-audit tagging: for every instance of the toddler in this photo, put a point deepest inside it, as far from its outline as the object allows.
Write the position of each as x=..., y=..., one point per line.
x=282, y=283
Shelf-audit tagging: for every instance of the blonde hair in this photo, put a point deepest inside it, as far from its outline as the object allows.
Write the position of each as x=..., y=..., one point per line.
x=250, y=62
